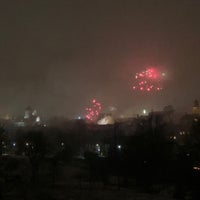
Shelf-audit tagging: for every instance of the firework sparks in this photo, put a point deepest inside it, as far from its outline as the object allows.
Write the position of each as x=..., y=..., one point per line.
x=148, y=80
x=93, y=111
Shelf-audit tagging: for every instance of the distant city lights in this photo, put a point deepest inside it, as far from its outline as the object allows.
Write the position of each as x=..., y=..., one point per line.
x=62, y=144
x=119, y=147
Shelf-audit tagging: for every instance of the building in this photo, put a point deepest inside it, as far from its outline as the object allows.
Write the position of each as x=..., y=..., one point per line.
x=196, y=108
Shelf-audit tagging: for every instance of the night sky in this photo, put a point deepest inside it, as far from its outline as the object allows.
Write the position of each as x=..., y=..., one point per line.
x=58, y=55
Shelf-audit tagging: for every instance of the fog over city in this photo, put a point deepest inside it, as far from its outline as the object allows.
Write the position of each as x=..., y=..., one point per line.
x=58, y=55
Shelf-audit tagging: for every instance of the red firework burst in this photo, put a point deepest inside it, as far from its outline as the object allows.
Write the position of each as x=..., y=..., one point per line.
x=148, y=80
x=93, y=111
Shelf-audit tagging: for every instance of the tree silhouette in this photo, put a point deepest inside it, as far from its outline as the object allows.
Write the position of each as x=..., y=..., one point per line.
x=2, y=138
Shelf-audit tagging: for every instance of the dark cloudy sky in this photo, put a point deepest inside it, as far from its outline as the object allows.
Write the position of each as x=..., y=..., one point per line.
x=56, y=55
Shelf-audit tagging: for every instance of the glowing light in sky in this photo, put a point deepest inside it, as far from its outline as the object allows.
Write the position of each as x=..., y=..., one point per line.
x=148, y=80
x=93, y=111
x=144, y=111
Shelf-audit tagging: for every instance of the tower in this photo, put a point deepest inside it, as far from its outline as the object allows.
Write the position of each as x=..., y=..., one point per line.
x=196, y=108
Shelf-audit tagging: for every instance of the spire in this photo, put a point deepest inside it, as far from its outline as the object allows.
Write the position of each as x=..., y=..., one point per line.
x=196, y=103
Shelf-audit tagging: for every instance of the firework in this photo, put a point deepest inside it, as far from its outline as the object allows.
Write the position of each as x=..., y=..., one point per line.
x=93, y=111
x=148, y=80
